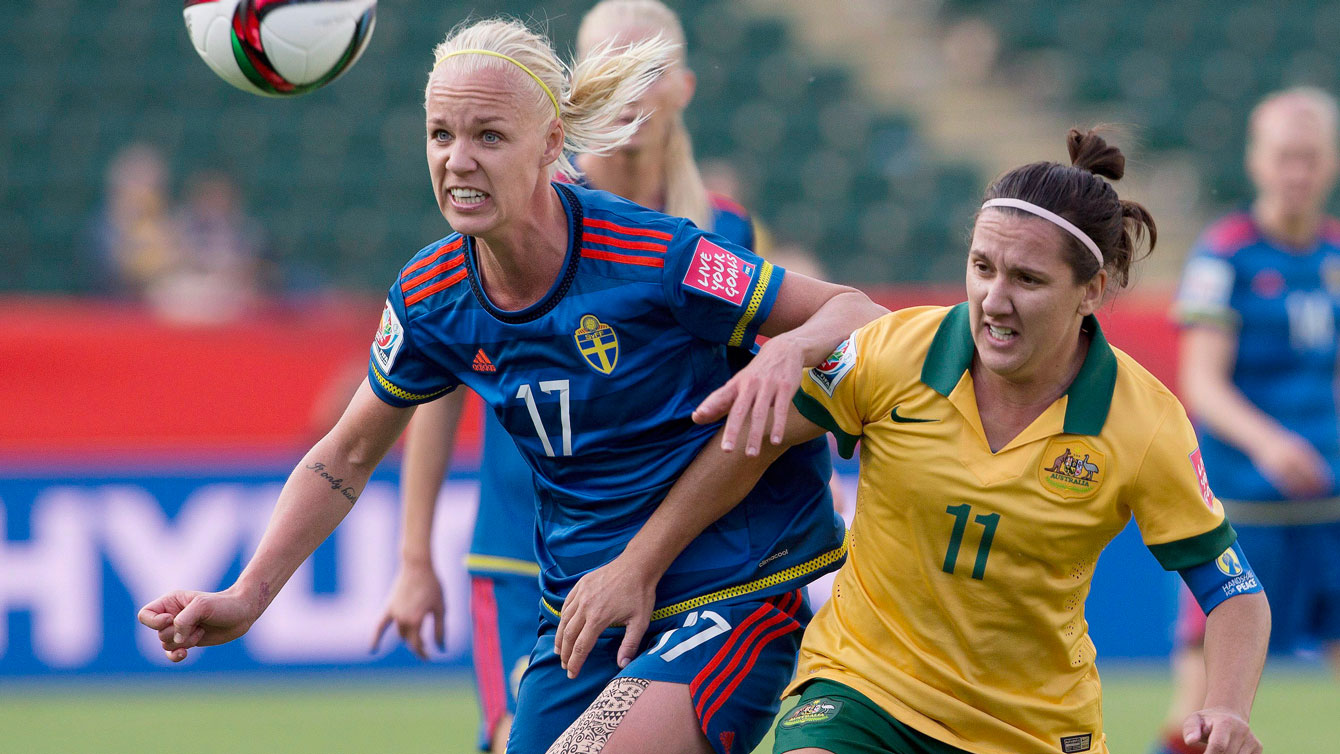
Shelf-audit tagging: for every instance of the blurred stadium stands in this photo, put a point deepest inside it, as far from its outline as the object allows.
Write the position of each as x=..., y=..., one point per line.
x=1185, y=73
x=337, y=177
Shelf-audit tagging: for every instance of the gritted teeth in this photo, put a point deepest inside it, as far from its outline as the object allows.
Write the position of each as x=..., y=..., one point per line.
x=1000, y=332
x=467, y=195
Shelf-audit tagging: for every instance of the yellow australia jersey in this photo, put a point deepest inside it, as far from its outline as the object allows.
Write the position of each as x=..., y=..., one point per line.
x=960, y=609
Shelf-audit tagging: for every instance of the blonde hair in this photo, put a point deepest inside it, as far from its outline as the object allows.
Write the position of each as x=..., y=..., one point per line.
x=685, y=193
x=1317, y=100
x=590, y=95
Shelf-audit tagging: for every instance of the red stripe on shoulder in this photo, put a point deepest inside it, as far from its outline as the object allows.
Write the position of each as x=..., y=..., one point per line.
x=721, y=201
x=1330, y=231
x=659, y=248
x=446, y=249
x=1230, y=234
x=591, y=222
x=610, y=256
x=440, y=285
x=431, y=273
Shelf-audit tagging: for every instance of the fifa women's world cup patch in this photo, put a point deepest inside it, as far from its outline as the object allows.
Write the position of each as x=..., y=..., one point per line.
x=718, y=272
x=390, y=337
x=813, y=711
x=1071, y=468
x=829, y=373
x=598, y=344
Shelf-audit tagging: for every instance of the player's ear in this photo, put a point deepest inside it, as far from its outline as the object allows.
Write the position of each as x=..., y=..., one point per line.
x=553, y=143
x=688, y=83
x=1093, y=294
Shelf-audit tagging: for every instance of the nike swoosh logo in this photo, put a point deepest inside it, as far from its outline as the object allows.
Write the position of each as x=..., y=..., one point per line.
x=908, y=420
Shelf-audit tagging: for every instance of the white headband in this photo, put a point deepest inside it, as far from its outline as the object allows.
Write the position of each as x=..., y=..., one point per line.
x=1047, y=214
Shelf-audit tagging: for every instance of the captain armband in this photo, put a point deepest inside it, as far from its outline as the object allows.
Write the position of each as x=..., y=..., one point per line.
x=1226, y=576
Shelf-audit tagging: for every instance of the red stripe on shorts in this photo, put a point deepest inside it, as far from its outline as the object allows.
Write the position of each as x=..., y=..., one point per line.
x=787, y=627
x=741, y=639
x=487, y=652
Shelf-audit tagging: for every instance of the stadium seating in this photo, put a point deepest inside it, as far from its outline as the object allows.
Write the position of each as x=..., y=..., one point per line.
x=1185, y=73
x=337, y=177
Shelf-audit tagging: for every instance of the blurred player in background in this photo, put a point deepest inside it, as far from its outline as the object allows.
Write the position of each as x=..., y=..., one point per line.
x=655, y=168
x=133, y=235
x=1004, y=443
x=607, y=325
x=1257, y=307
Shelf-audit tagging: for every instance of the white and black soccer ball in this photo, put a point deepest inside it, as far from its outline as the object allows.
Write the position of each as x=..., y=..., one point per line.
x=280, y=48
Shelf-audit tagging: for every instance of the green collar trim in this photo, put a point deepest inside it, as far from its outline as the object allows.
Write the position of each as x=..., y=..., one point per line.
x=1090, y=395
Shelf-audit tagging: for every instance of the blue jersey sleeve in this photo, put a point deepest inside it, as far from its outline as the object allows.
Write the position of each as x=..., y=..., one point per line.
x=1205, y=295
x=1226, y=576
x=719, y=291
x=398, y=370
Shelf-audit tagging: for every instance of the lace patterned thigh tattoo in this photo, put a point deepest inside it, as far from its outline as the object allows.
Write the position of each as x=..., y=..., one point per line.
x=589, y=733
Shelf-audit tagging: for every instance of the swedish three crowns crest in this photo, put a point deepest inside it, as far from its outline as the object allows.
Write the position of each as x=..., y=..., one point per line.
x=598, y=344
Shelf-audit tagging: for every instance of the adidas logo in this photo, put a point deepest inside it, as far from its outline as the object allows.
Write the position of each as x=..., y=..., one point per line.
x=482, y=363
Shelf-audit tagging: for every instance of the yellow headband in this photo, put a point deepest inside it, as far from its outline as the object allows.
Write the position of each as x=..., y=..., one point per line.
x=511, y=60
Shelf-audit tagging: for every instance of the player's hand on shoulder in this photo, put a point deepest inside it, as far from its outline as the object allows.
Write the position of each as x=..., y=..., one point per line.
x=416, y=594
x=1293, y=465
x=616, y=594
x=187, y=619
x=1222, y=731
x=757, y=397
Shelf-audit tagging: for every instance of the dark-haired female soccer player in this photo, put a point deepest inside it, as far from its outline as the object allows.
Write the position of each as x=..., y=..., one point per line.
x=1004, y=443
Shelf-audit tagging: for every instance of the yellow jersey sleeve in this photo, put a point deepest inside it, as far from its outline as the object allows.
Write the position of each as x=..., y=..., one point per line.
x=846, y=391
x=1180, y=519
x=829, y=394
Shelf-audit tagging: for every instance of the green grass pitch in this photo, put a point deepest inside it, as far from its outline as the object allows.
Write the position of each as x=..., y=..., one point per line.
x=1296, y=712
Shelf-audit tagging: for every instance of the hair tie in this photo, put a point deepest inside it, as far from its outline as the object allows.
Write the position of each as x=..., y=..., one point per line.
x=511, y=60
x=1056, y=219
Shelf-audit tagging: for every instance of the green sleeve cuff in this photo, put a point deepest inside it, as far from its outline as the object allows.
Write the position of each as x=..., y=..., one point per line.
x=1192, y=551
x=814, y=411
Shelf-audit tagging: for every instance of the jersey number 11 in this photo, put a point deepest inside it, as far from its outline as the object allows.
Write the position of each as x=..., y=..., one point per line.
x=988, y=522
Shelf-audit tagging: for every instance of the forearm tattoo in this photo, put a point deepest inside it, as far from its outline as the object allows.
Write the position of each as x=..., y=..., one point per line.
x=336, y=483
x=589, y=733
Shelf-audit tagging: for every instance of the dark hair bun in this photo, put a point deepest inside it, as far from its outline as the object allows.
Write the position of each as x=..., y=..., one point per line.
x=1088, y=151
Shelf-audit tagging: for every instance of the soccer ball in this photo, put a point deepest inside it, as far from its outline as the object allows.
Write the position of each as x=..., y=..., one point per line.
x=280, y=48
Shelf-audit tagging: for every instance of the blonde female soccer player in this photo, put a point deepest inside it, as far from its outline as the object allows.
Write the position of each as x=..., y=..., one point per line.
x=1004, y=443
x=607, y=324
x=654, y=168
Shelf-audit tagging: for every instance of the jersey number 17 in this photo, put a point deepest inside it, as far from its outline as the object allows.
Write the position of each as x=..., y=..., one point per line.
x=549, y=386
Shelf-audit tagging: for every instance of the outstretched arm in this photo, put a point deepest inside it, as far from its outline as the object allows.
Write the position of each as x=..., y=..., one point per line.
x=623, y=591
x=417, y=591
x=1236, y=635
x=318, y=495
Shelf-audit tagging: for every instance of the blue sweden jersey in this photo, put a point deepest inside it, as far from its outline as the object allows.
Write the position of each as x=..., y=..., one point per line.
x=504, y=535
x=1282, y=305
x=596, y=383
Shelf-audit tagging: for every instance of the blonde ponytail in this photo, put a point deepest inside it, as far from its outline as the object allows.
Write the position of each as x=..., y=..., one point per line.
x=590, y=97
x=604, y=84
x=685, y=193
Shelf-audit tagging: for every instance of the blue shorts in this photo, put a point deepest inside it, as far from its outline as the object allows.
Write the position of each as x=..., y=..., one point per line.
x=1299, y=566
x=505, y=617
x=736, y=659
